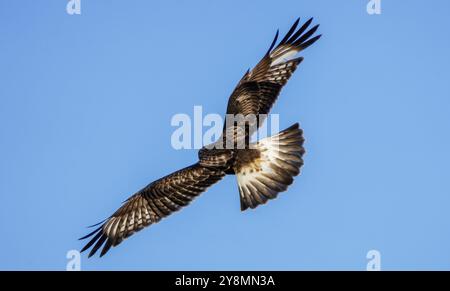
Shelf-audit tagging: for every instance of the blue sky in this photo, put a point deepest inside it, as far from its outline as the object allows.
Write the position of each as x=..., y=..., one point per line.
x=85, y=108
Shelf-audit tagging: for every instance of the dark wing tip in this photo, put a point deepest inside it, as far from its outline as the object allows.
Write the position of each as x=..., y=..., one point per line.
x=91, y=226
x=290, y=32
x=99, y=243
x=309, y=42
x=305, y=36
x=273, y=42
x=99, y=239
x=300, y=36
x=91, y=233
x=92, y=241
x=106, y=248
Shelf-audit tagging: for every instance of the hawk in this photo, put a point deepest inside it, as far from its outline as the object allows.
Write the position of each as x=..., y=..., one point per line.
x=263, y=169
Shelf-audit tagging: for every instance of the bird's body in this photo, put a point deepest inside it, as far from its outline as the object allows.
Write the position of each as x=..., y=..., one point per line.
x=262, y=169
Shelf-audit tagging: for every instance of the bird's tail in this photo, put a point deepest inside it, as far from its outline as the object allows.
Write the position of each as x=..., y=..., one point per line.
x=270, y=166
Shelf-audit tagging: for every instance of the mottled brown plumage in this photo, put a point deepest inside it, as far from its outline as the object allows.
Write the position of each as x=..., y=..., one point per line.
x=263, y=169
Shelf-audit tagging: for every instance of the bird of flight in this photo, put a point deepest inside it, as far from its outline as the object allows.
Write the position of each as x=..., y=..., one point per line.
x=263, y=169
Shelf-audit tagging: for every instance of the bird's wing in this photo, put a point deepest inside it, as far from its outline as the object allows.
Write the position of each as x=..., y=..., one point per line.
x=259, y=88
x=159, y=199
